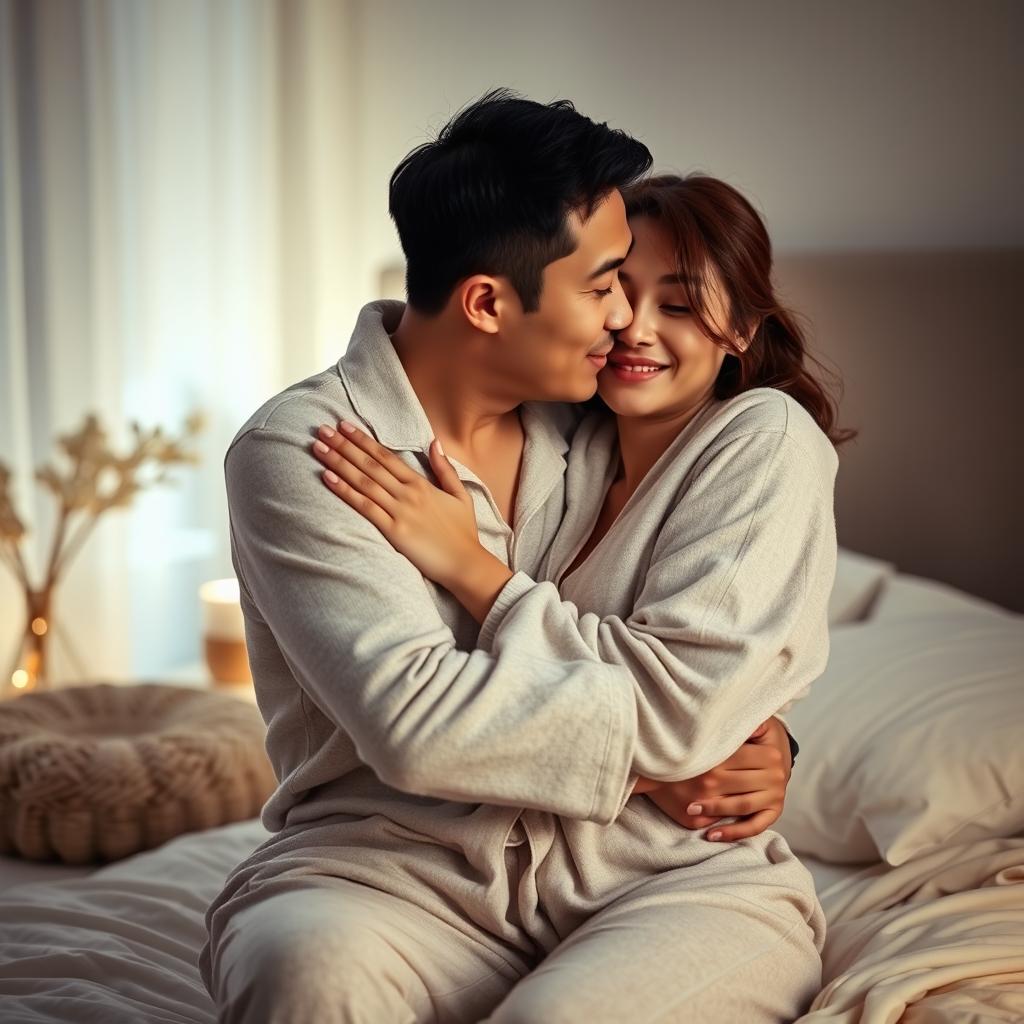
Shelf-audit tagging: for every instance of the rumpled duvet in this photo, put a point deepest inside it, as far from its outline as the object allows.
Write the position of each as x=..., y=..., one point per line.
x=937, y=940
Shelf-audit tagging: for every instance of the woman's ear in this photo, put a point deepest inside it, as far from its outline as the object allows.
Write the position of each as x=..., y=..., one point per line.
x=745, y=339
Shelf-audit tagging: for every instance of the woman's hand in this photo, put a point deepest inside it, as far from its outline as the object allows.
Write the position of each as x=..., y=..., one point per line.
x=434, y=527
x=751, y=785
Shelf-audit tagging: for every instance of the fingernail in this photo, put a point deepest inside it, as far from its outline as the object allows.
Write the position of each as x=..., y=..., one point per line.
x=326, y=431
x=440, y=450
x=695, y=809
x=331, y=477
x=714, y=835
x=321, y=447
x=347, y=427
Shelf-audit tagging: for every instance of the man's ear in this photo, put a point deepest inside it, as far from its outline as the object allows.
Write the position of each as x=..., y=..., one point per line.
x=481, y=297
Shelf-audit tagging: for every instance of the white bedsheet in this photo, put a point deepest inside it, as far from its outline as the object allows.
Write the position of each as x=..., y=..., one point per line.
x=943, y=934
x=121, y=944
x=826, y=874
x=15, y=871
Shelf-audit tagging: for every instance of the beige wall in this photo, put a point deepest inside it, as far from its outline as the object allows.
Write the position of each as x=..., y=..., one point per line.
x=853, y=126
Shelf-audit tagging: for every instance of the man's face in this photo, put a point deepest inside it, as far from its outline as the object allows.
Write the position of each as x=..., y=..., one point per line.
x=555, y=353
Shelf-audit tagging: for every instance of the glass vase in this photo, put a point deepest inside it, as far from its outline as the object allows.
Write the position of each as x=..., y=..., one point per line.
x=32, y=668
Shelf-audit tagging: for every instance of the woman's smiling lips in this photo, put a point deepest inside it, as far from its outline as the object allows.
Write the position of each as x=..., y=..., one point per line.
x=635, y=369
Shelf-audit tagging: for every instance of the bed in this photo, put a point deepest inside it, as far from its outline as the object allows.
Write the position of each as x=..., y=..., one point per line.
x=906, y=806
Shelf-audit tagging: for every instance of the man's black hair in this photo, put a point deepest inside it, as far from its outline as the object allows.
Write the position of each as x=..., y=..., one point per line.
x=490, y=195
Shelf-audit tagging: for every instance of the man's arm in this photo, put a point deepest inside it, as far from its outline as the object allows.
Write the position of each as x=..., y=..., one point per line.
x=751, y=785
x=794, y=747
x=781, y=715
x=360, y=631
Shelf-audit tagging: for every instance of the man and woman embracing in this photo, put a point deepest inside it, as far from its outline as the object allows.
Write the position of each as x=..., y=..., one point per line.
x=528, y=577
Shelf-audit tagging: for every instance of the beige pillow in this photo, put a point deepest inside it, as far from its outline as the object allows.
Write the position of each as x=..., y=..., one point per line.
x=859, y=581
x=905, y=595
x=913, y=737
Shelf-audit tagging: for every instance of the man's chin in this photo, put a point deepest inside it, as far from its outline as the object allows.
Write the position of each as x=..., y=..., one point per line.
x=578, y=390
x=585, y=391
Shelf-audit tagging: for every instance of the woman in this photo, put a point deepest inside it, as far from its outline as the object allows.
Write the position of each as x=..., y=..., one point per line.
x=698, y=549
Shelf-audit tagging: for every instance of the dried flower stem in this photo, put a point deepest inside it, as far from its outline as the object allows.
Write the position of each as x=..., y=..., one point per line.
x=59, y=561
x=12, y=556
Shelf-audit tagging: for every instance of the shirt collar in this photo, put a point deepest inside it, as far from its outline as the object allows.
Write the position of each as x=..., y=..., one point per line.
x=384, y=399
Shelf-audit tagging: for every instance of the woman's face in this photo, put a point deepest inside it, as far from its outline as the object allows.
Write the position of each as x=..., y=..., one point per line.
x=682, y=361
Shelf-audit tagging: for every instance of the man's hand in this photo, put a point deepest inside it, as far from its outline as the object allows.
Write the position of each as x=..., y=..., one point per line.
x=750, y=785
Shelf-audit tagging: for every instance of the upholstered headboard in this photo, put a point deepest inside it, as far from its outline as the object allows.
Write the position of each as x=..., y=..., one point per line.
x=930, y=348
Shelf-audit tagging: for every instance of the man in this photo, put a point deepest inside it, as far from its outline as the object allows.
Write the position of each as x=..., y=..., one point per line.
x=421, y=778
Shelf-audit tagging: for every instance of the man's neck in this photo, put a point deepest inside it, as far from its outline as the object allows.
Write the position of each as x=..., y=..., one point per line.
x=465, y=408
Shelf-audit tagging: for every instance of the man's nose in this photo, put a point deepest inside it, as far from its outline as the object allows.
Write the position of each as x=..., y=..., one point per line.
x=620, y=315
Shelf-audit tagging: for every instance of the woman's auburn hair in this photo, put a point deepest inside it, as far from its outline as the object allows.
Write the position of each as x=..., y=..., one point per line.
x=719, y=238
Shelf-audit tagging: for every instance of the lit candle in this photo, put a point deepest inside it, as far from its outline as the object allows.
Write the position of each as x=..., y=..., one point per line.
x=224, y=631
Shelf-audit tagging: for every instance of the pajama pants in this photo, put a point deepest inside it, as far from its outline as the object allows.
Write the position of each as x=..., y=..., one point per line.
x=308, y=947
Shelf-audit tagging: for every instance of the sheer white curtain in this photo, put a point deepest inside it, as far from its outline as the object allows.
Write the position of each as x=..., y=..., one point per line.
x=175, y=233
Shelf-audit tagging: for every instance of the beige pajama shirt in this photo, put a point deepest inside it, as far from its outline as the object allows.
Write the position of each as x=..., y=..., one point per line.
x=454, y=835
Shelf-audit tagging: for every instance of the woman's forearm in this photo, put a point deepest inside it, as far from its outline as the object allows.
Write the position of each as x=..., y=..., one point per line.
x=481, y=578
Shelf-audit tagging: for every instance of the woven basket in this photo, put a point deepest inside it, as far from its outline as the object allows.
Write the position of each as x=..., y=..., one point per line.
x=97, y=772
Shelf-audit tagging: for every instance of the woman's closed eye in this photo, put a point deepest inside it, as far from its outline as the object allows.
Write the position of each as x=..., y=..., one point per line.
x=676, y=310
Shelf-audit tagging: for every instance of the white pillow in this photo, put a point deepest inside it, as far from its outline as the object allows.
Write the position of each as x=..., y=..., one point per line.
x=906, y=595
x=859, y=580
x=913, y=737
